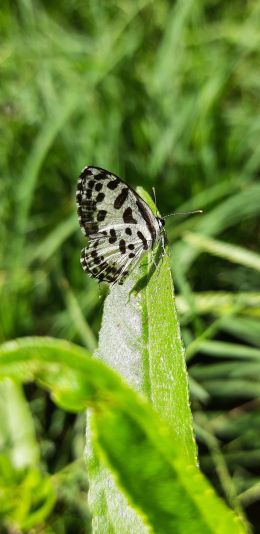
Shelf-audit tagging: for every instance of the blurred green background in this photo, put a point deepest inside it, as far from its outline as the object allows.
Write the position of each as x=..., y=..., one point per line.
x=165, y=94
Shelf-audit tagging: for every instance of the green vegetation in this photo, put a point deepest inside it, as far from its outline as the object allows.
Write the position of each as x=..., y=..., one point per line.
x=166, y=95
x=159, y=481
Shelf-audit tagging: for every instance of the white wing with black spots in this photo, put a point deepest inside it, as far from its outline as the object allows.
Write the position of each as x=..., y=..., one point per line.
x=119, y=224
x=107, y=262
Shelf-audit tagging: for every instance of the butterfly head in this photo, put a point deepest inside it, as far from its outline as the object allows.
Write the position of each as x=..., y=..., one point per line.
x=161, y=223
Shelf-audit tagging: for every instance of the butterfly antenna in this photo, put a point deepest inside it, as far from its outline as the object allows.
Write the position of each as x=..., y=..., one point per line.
x=183, y=213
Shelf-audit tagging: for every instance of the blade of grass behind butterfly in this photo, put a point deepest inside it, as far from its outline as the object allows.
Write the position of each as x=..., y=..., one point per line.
x=221, y=302
x=241, y=206
x=244, y=328
x=232, y=253
x=140, y=338
x=32, y=167
x=17, y=434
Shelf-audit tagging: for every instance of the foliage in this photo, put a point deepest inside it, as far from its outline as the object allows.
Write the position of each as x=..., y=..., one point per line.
x=171, y=493
x=166, y=95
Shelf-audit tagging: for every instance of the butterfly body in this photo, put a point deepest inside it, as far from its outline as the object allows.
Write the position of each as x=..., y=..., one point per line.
x=120, y=226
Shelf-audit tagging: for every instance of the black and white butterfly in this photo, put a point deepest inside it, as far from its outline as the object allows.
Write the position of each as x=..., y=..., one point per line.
x=119, y=224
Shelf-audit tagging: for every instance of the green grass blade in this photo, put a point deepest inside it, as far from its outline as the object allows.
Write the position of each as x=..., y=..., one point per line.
x=17, y=434
x=223, y=349
x=222, y=303
x=245, y=328
x=227, y=251
x=53, y=241
x=246, y=389
x=77, y=317
x=244, y=204
x=27, y=184
x=227, y=371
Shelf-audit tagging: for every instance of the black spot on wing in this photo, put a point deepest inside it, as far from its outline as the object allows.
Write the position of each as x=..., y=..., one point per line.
x=113, y=184
x=98, y=186
x=147, y=217
x=122, y=246
x=90, y=227
x=144, y=241
x=113, y=236
x=86, y=172
x=79, y=197
x=128, y=217
x=101, y=215
x=121, y=198
x=100, y=197
x=101, y=176
x=98, y=260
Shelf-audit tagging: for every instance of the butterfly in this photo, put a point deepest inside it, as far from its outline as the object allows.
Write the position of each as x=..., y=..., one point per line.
x=120, y=225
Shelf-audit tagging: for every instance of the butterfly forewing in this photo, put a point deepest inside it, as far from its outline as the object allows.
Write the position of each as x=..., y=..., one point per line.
x=118, y=223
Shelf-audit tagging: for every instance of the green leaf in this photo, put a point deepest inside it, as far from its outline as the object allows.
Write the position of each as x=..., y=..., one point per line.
x=140, y=338
x=151, y=468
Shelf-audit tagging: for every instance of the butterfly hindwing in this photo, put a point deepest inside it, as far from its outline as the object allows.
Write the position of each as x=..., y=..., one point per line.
x=107, y=263
x=119, y=224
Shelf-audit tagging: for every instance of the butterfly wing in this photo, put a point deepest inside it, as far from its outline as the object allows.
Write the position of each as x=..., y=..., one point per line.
x=119, y=224
x=107, y=263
